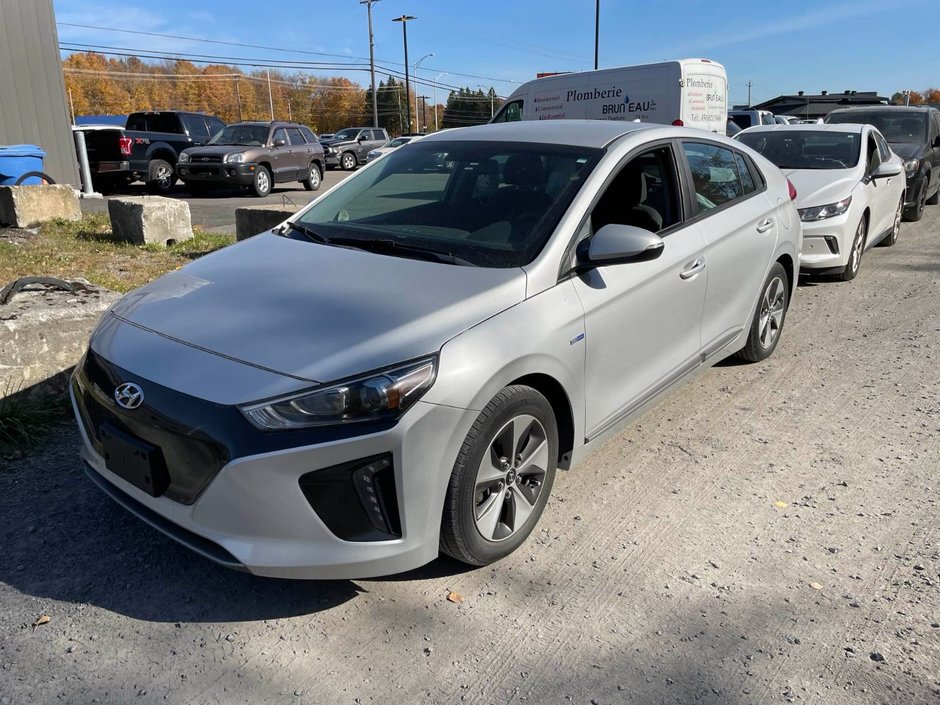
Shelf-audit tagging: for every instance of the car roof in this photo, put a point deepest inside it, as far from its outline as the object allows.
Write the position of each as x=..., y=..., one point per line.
x=869, y=108
x=576, y=133
x=854, y=127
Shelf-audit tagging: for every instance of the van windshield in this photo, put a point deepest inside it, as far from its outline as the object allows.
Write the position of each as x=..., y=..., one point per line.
x=487, y=204
x=805, y=149
x=894, y=125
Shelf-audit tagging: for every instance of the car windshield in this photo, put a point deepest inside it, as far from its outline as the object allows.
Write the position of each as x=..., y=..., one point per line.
x=346, y=134
x=489, y=204
x=894, y=125
x=805, y=149
x=246, y=135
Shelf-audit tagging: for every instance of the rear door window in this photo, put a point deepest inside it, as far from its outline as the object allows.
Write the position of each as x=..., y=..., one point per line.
x=714, y=175
x=744, y=173
x=296, y=136
x=196, y=127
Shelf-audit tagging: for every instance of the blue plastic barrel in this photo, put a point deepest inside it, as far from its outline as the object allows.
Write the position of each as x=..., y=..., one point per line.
x=18, y=159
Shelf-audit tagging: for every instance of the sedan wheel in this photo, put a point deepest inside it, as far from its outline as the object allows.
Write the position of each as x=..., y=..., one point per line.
x=855, y=256
x=502, y=478
x=917, y=212
x=892, y=237
x=767, y=324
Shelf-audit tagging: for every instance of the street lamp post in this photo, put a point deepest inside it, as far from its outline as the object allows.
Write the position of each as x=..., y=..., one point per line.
x=434, y=96
x=375, y=104
x=405, y=19
x=417, y=64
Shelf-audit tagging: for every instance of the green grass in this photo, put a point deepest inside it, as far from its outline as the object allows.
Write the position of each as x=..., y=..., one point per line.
x=24, y=421
x=87, y=249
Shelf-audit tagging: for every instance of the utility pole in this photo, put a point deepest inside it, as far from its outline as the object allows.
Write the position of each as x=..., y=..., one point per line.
x=405, y=19
x=434, y=98
x=749, y=94
x=375, y=104
x=290, y=116
x=424, y=112
x=907, y=97
x=270, y=96
x=417, y=64
x=238, y=99
x=597, y=30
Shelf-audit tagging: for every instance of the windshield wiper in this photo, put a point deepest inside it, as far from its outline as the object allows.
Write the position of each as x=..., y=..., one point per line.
x=311, y=234
x=395, y=247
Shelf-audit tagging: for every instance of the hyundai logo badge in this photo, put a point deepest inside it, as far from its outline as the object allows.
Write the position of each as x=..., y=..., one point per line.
x=129, y=395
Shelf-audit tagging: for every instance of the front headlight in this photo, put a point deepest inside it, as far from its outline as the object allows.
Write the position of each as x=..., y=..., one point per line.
x=807, y=215
x=184, y=158
x=236, y=158
x=911, y=166
x=373, y=154
x=381, y=395
x=327, y=150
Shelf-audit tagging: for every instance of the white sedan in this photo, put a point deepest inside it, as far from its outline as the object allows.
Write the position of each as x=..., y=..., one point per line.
x=850, y=189
x=389, y=146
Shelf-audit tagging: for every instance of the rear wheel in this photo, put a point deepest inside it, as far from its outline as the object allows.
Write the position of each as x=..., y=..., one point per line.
x=858, y=248
x=348, y=161
x=769, y=317
x=312, y=182
x=502, y=477
x=261, y=186
x=160, y=176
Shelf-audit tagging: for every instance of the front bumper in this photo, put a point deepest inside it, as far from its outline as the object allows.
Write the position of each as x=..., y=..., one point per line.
x=216, y=173
x=252, y=512
x=826, y=243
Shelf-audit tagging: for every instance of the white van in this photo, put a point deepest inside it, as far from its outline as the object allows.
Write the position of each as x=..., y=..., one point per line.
x=690, y=92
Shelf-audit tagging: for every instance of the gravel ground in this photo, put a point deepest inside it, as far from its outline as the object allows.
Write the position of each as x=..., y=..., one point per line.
x=767, y=534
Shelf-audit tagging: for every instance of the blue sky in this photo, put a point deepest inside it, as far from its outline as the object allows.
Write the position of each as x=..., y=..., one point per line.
x=781, y=47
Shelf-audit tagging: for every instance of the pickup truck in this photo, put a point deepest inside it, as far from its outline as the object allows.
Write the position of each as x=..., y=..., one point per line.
x=146, y=148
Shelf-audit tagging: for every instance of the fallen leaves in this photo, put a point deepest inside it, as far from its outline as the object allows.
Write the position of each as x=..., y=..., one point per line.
x=780, y=505
x=42, y=619
x=455, y=597
x=816, y=586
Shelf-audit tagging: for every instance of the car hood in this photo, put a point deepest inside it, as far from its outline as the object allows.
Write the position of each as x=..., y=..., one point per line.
x=818, y=187
x=907, y=150
x=317, y=312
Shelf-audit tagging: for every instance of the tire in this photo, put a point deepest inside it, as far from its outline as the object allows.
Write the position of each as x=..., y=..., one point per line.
x=917, y=212
x=480, y=523
x=261, y=186
x=858, y=249
x=348, y=161
x=892, y=237
x=935, y=199
x=771, y=313
x=160, y=176
x=314, y=177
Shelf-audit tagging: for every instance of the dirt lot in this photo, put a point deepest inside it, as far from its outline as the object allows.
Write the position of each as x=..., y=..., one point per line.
x=770, y=533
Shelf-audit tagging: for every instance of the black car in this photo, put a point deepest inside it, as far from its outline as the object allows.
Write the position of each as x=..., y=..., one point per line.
x=348, y=147
x=914, y=135
x=254, y=155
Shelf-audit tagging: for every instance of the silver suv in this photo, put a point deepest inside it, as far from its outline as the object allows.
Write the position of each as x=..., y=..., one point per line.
x=402, y=367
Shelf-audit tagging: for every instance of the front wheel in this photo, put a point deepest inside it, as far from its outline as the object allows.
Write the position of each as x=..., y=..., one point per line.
x=312, y=182
x=348, y=161
x=935, y=199
x=917, y=210
x=855, y=256
x=160, y=177
x=892, y=237
x=502, y=477
x=261, y=186
x=771, y=312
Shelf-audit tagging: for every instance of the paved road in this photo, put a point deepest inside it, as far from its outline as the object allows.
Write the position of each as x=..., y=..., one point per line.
x=768, y=534
x=217, y=210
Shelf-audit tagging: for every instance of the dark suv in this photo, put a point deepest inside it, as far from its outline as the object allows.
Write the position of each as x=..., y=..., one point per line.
x=254, y=155
x=914, y=135
x=348, y=147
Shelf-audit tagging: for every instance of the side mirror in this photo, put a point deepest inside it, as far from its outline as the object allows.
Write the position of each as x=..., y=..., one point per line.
x=619, y=244
x=280, y=143
x=886, y=170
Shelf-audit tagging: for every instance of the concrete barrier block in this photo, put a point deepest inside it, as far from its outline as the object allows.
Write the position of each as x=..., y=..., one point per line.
x=252, y=220
x=28, y=206
x=44, y=332
x=150, y=220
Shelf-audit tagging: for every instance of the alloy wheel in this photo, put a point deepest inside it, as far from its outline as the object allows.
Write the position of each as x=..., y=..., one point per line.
x=314, y=177
x=771, y=312
x=510, y=478
x=857, y=244
x=263, y=182
x=163, y=174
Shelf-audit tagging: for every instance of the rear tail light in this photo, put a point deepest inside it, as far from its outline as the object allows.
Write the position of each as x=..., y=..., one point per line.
x=678, y=123
x=792, y=189
x=125, y=143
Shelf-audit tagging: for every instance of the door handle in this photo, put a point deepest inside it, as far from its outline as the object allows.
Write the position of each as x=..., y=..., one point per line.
x=697, y=267
x=765, y=225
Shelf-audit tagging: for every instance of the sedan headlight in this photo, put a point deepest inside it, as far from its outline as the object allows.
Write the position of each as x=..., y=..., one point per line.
x=373, y=154
x=382, y=395
x=808, y=215
x=183, y=158
x=911, y=166
x=236, y=158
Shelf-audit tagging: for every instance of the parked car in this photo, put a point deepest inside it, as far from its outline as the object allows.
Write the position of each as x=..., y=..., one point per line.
x=849, y=186
x=731, y=128
x=255, y=155
x=401, y=367
x=389, y=146
x=348, y=148
x=146, y=149
x=785, y=119
x=750, y=118
x=914, y=135
x=325, y=136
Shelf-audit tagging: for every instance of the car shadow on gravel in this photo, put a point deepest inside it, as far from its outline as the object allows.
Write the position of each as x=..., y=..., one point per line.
x=65, y=540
